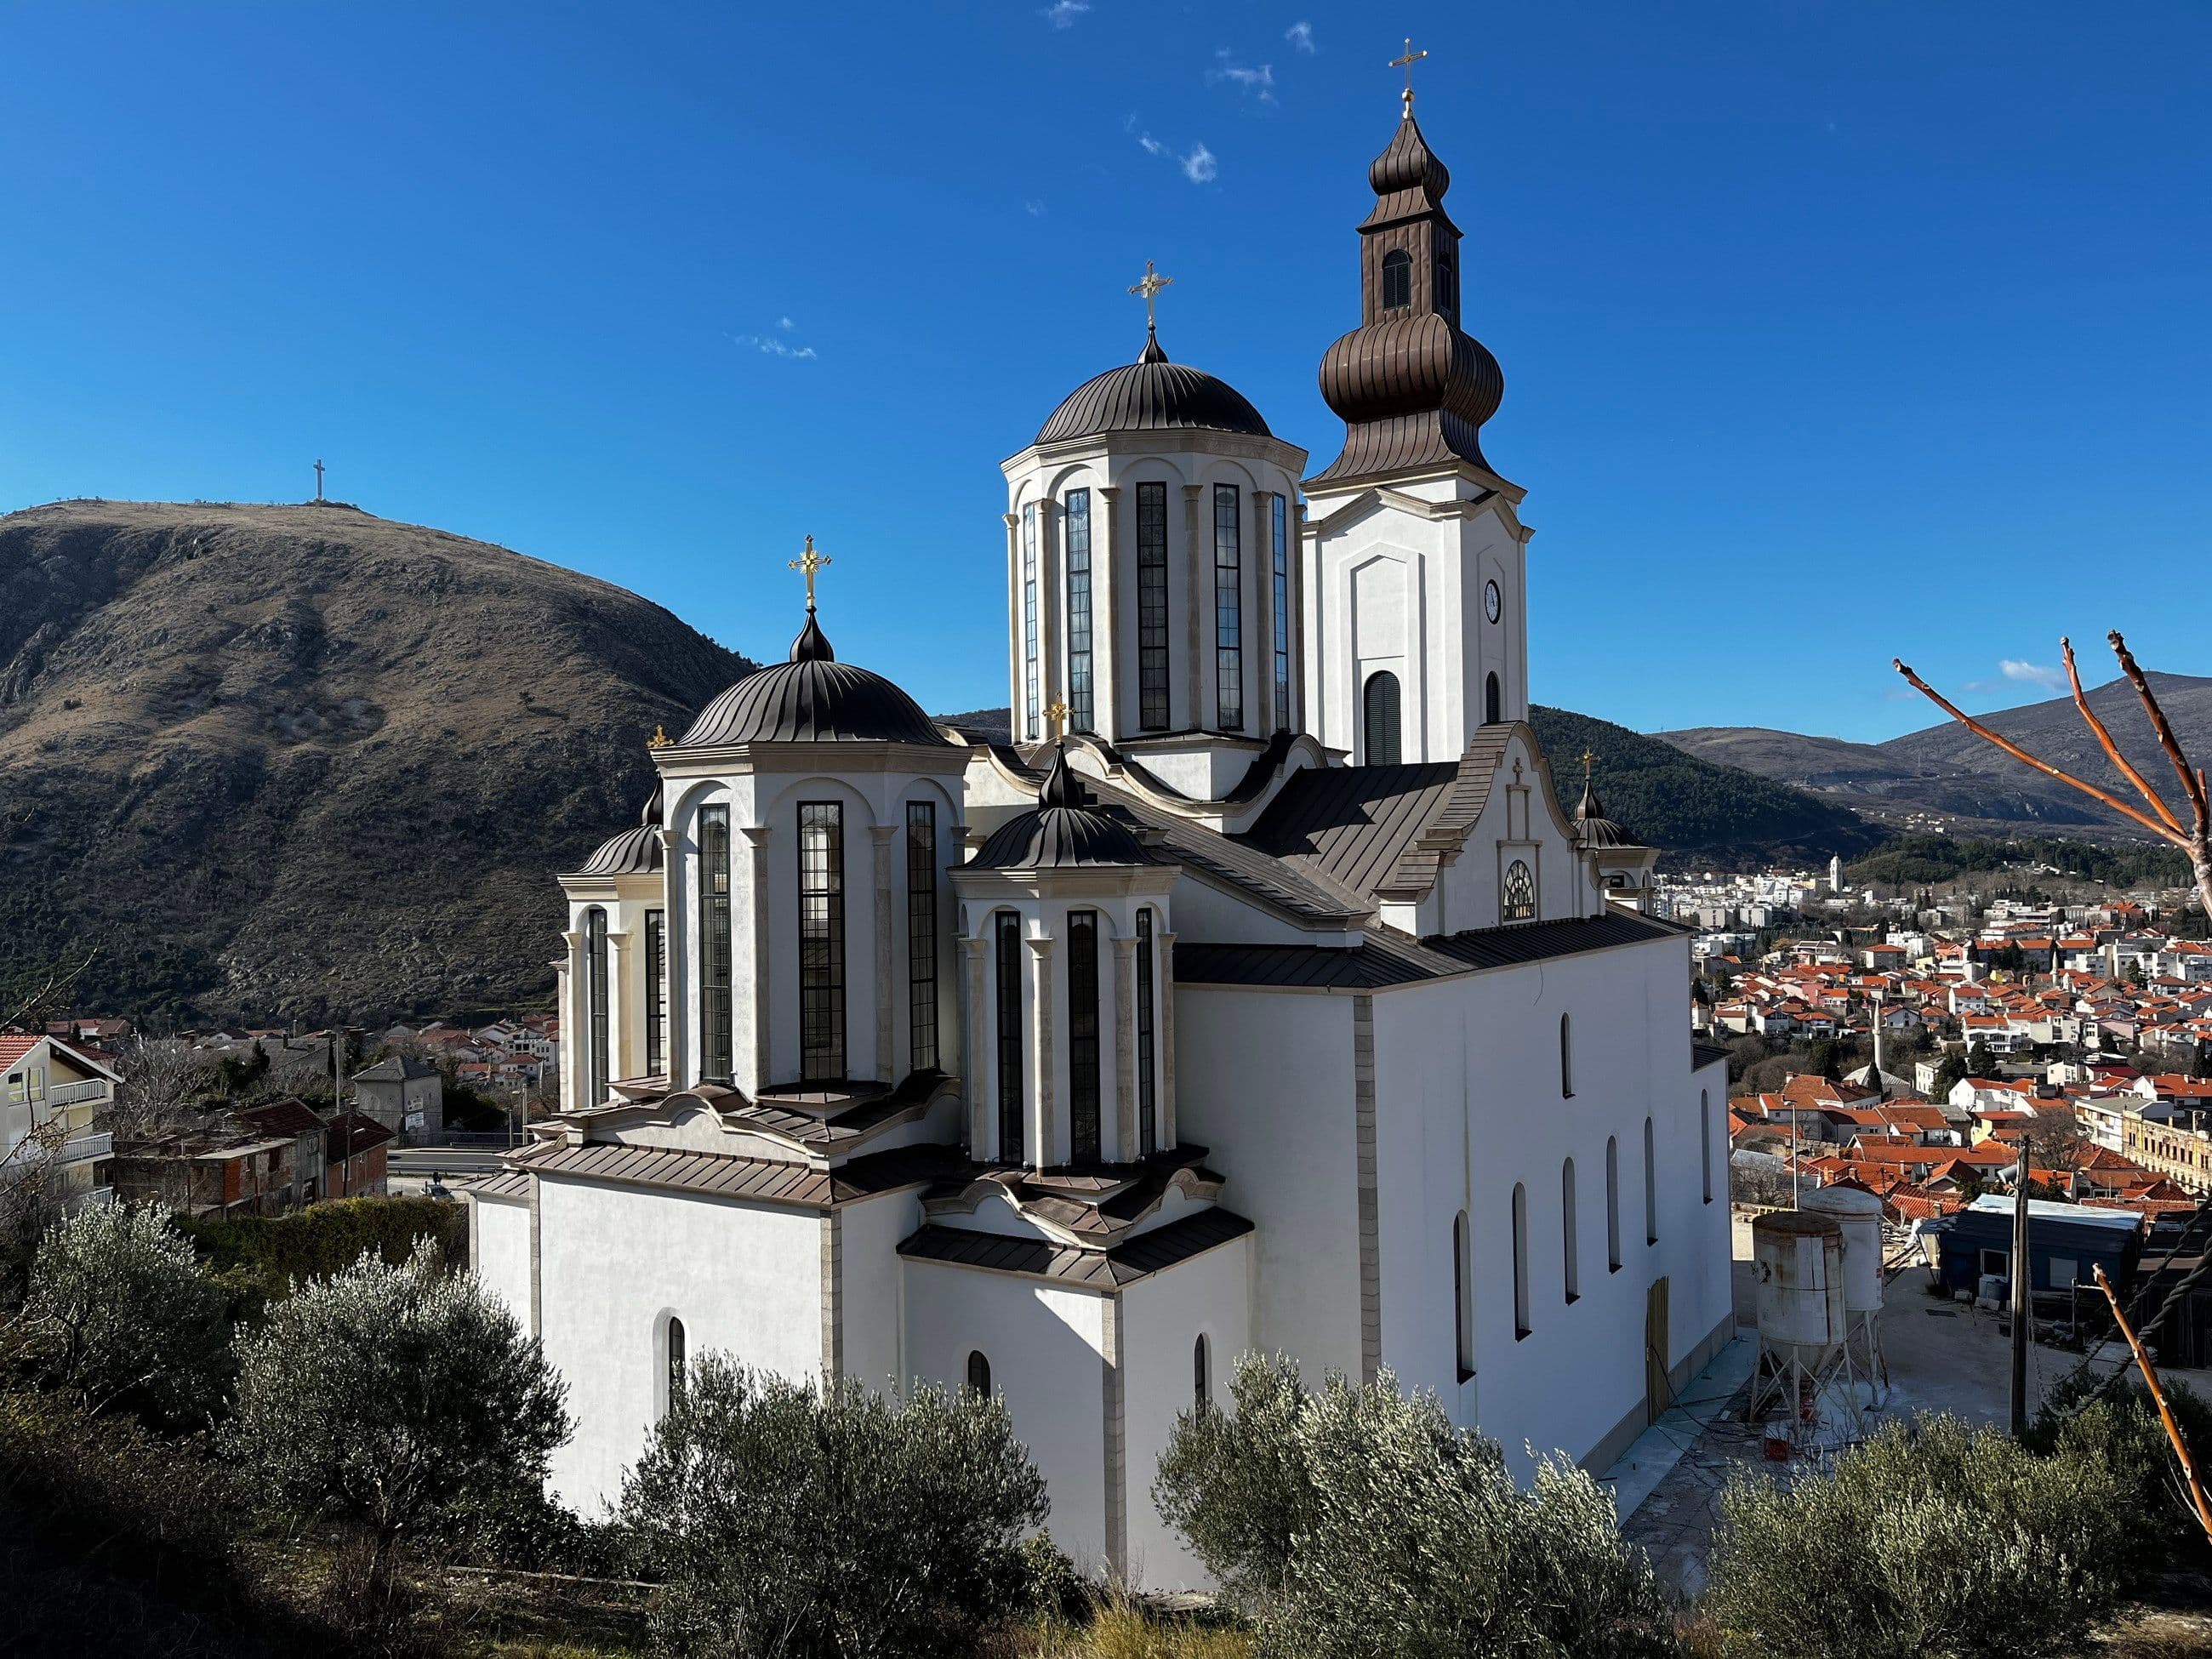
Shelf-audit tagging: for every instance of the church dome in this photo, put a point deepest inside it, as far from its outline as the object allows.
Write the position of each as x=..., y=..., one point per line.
x=813, y=698
x=1152, y=395
x=634, y=852
x=1064, y=831
x=1593, y=828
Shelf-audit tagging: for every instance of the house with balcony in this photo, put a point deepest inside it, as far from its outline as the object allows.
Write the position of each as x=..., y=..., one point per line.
x=50, y=1094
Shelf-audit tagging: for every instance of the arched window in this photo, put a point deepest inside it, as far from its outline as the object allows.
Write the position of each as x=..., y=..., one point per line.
x=1462, y=1296
x=1447, y=286
x=1493, y=701
x=1397, y=280
x=1611, y=1204
x=1569, y=1252
x=1516, y=901
x=1012, y=1107
x=675, y=1356
x=1706, y=1137
x=1521, y=1327
x=1382, y=724
x=1650, y=1186
x=979, y=1374
x=595, y=989
x=1567, y=1058
x=1148, y=1118
x=1201, y=1377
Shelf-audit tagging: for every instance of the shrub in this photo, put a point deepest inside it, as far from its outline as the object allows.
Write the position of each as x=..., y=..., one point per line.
x=1358, y=1521
x=2122, y=1433
x=789, y=1519
x=1931, y=1541
x=276, y=1251
x=119, y=1310
x=383, y=1396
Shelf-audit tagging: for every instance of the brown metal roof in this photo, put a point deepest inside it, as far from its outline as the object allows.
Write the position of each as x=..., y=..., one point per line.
x=1702, y=1054
x=1349, y=823
x=1384, y=958
x=507, y=1183
x=1147, y=1253
x=1152, y=395
x=720, y=1175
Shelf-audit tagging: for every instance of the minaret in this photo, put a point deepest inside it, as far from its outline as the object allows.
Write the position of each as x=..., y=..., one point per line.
x=1414, y=548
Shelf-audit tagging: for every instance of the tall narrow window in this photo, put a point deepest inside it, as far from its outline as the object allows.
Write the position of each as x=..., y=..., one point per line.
x=821, y=940
x=656, y=993
x=1462, y=1296
x=595, y=983
x=1397, y=280
x=1278, y=525
x=1650, y=1186
x=1030, y=618
x=1494, y=702
x=1075, y=532
x=1447, y=285
x=1613, y=1204
x=1706, y=1137
x=1201, y=1375
x=921, y=935
x=1570, y=1242
x=979, y=1374
x=1566, y=1058
x=1152, y=605
x=1380, y=718
x=1517, y=899
x=714, y=1056
x=676, y=1361
x=1148, y=1089
x=1083, y=1037
x=1228, y=610
x=1520, y=1326
x=1010, y=1036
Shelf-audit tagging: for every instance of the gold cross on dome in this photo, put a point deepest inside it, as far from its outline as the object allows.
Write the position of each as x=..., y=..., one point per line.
x=1057, y=713
x=1589, y=761
x=1407, y=64
x=1150, y=287
x=810, y=562
x=659, y=739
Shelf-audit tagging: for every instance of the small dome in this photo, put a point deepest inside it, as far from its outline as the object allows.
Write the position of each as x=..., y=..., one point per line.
x=1152, y=395
x=1408, y=164
x=1064, y=831
x=1593, y=828
x=632, y=852
x=813, y=698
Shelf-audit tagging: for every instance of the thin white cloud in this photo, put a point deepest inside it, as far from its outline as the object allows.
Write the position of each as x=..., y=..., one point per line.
x=1259, y=81
x=784, y=323
x=1062, y=14
x=1152, y=146
x=1300, y=35
x=1035, y=210
x=772, y=346
x=2033, y=673
x=1200, y=167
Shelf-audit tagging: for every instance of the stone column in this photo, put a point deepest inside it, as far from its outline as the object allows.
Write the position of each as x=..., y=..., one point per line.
x=887, y=1067
x=750, y=987
x=1106, y=621
x=1125, y=1047
x=1051, y=608
x=1115, y=1437
x=981, y=1080
x=620, y=1039
x=1302, y=705
x=833, y=1288
x=1014, y=630
x=1263, y=523
x=1163, y=970
x=1200, y=560
x=575, y=1026
x=676, y=912
x=1044, y=1151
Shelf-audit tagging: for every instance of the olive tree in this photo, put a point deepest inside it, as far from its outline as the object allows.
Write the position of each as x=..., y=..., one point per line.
x=1356, y=1520
x=1933, y=1540
x=119, y=1308
x=792, y=1520
x=384, y=1394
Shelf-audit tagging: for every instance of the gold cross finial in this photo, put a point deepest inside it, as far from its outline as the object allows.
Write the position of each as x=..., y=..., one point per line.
x=810, y=562
x=1589, y=761
x=659, y=739
x=1057, y=713
x=1407, y=64
x=1150, y=287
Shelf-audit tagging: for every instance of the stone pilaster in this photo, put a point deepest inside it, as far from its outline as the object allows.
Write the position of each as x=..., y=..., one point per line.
x=833, y=1289
x=1014, y=665
x=1125, y=1049
x=1297, y=531
x=1198, y=569
x=1164, y=971
x=888, y=1064
x=750, y=981
x=1370, y=1211
x=1051, y=610
x=575, y=1025
x=1115, y=1438
x=679, y=911
x=1106, y=620
x=1262, y=537
x=1044, y=1147
x=981, y=1087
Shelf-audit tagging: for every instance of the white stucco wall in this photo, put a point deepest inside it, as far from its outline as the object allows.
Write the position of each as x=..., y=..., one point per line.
x=871, y=1286
x=1044, y=1345
x=1162, y=1317
x=614, y=1261
x=499, y=1241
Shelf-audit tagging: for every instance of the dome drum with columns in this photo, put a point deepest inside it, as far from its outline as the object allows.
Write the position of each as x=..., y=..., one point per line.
x=1259, y=996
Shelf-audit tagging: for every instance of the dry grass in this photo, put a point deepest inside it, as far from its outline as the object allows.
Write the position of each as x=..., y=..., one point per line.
x=1120, y=1628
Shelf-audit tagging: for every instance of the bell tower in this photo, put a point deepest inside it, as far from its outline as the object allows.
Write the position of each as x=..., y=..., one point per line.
x=1414, y=552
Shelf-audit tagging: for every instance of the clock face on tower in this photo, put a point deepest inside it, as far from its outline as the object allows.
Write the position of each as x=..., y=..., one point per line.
x=1491, y=603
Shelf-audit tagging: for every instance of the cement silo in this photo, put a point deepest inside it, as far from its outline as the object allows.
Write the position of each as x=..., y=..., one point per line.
x=1798, y=1258
x=1859, y=1213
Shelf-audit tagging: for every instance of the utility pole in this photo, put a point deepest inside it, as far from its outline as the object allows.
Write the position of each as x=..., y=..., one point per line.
x=2023, y=1302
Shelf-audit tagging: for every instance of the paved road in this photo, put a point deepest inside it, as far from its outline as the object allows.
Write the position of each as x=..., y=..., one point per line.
x=411, y=1167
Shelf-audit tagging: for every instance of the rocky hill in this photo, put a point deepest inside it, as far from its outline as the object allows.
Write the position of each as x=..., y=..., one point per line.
x=277, y=763
x=1945, y=776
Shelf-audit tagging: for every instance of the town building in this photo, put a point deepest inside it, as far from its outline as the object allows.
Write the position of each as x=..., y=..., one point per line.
x=50, y=1093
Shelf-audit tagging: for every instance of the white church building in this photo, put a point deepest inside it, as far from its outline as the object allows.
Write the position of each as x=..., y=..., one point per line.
x=1257, y=994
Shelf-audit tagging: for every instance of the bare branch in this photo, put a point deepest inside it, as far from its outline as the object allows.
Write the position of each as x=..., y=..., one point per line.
x=1991, y=736
x=2112, y=750
x=2192, y=782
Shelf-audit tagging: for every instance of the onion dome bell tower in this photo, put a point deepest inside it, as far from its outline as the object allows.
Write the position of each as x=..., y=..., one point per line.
x=1414, y=544
x=1066, y=953
x=1620, y=865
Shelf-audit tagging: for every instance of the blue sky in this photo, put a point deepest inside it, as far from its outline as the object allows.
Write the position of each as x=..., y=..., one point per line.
x=1830, y=330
